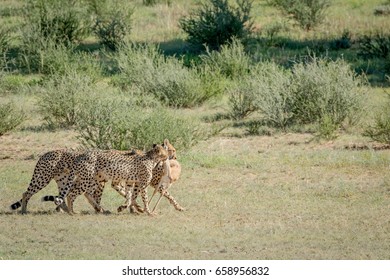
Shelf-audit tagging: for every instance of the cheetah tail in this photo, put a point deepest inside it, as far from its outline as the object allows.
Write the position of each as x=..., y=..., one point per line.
x=16, y=205
x=48, y=198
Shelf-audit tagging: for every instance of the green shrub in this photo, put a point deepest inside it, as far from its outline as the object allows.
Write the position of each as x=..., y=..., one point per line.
x=377, y=45
x=216, y=23
x=50, y=29
x=144, y=68
x=149, y=2
x=273, y=87
x=242, y=99
x=231, y=60
x=307, y=13
x=268, y=90
x=52, y=19
x=344, y=42
x=57, y=59
x=328, y=89
x=380, y=131
x=120, y=124
x=112, y=23
x=382, y=10
x=104, y=122
x=320, y=92
x=10, y=117
x=62, y=98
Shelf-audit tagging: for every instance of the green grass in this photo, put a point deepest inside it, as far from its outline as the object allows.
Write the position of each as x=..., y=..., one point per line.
x=257, y=197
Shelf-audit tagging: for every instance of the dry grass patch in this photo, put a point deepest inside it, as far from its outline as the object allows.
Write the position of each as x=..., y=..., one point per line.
x=252, y=198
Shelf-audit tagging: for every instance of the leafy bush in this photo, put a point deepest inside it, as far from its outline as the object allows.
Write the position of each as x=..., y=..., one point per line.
x=50, y=28
x=52, y=19
x=377, y=45
x=117, y=124
x=380, y=131
x=149, y=2
x=54, y=59
x=327, y=89
x=112, y=23
x=307, y=13
x=144, y=68
x=382, y=10
x=344, y=42
x=216, y=23
x=231, y=60
x=10, y=117
x=267, y=90
x=317, y=92
x=62, y=98
x=242, y=100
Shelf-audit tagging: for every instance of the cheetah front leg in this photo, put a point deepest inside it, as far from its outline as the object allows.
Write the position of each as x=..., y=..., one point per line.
x=144, y=196
x=128, y=196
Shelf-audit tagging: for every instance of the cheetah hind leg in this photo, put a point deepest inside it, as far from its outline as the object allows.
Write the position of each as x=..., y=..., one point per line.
x=62, y=208
x=95, y=205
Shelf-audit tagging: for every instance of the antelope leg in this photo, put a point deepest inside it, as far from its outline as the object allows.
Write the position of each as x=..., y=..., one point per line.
x=158, y=201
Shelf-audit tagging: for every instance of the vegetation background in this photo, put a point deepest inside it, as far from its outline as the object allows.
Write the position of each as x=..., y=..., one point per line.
x=282, y=130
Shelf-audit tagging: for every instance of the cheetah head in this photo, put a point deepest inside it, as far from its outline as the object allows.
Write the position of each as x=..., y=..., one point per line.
x=171, y=150
x=158, y=153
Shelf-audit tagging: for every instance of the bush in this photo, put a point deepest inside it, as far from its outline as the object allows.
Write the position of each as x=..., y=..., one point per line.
x=267, y=90
x=62, y=98
x=231, y=61
x=217, y=23
x=242, y=100
x=307, y=13
x=58, y=59
x=51, y=19
x=320, y=92
x=10, y=117
x=327, y=89
x=49, y=30
x=382, y=10
x=112, y=23
x=118, y=124
x=377, y=45
x=380, y=131
x=144, y=68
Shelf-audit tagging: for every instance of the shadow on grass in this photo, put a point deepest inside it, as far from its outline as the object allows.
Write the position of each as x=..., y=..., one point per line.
x=54, y=212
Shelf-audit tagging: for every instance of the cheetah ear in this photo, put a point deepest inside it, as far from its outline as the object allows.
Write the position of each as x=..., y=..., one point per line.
x=154, y=145
x=166, y=142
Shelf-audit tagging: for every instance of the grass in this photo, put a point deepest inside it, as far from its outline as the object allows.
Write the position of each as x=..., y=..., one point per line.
x=285, y=196
x=277, y=197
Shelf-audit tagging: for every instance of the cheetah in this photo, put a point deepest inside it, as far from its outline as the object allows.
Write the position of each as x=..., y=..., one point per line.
x=158, y=182
x=53, y=165
x=116, y=167
x=157, y=175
